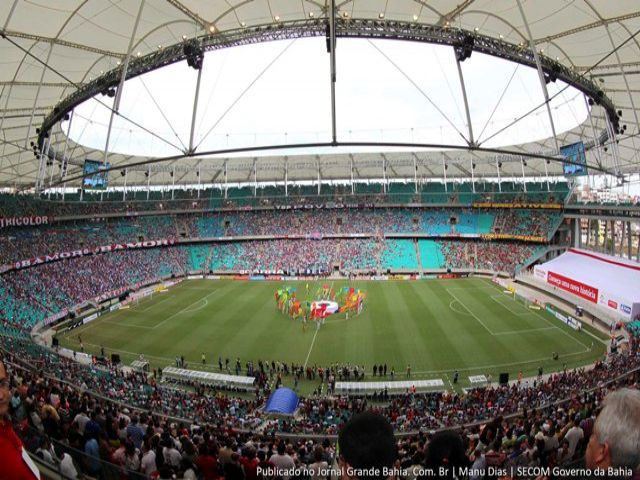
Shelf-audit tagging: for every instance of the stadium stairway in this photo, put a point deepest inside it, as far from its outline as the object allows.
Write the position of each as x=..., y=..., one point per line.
x=417, y=249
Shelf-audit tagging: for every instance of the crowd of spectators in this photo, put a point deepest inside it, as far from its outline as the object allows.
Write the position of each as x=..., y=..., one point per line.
x=30, y=295
x=95, y=203
x=493, y=256
x=532, y=222
x=112, y=422
x=20, y=243
x=321, y=413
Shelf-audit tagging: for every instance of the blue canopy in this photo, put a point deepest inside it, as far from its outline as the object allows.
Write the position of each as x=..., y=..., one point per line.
x=283, y=400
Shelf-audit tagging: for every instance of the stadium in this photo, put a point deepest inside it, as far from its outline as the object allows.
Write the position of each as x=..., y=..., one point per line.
x=248, y=239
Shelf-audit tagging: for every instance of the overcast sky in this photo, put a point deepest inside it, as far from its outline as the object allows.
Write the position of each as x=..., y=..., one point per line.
x=279, y=93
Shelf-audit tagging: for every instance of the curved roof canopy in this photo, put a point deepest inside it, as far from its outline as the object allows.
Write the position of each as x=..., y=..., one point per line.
x=59, y=53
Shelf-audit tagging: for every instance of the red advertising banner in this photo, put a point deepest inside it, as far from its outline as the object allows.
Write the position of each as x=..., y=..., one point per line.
x=573, y=286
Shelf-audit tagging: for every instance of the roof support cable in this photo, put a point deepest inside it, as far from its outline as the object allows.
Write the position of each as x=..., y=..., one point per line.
x=422, y=92
x=78, y=86
x=595, y=65
x=478, y=142
x=242, y=94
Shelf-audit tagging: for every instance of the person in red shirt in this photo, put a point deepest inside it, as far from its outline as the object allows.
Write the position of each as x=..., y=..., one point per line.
x=250, y=464
x=207, y=463
x=16, y=464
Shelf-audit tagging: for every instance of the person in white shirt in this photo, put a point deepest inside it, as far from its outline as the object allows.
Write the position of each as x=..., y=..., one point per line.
x=283, y=462
x=574, y=436
x=148, y=462
x=81, y=419
x=67, y=468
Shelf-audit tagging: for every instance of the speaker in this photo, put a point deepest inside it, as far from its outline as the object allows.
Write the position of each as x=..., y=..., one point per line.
x=54, y=342
x=504, y=378
x=115, y=358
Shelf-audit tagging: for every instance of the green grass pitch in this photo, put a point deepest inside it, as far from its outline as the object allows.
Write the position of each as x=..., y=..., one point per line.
x=435, y=326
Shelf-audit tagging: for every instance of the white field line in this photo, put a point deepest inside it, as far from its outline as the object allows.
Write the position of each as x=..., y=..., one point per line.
x=529, y=330
x=501, y=365
x=185, y=309
x=451, y=303
x=586, y=349
x=472, y=314
x=498, y=300
x=154, y=305
x=310, y=348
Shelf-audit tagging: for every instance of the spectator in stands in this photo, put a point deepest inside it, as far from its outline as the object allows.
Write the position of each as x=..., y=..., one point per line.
x=14, y=460
x=366, y=442
x=282, y=461
x=446, y=455
x=615, y=441
x=319, y=466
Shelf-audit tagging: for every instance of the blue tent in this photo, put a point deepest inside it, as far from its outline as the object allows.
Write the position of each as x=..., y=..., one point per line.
x=283, y=401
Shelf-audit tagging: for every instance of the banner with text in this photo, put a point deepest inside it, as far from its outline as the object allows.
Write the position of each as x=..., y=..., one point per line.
x=28, y=221
x=580, y=289
x=554, y=206
x=84, y=252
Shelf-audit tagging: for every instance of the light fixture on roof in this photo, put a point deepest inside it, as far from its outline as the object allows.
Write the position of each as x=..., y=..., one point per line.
x=184, y=37
x=193, y=54
x=311, y=14
x=139, y=54
x=415, y=17
x=381, y=15
x=447, y=23
x=243, y=24
x=212, y=28
x=464, y=49
x=476, y=29
x=277, y=18
x=345, y=14
x=501, y=37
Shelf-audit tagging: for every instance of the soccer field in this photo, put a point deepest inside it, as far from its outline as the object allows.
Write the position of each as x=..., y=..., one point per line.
x=435, y=326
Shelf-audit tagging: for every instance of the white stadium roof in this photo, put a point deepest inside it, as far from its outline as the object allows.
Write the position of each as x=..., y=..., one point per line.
x=56, y=53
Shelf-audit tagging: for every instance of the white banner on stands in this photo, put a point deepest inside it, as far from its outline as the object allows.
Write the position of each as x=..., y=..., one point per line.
x=90, y=318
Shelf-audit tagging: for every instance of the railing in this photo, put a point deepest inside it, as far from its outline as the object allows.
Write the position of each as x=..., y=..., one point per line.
x=87, y=464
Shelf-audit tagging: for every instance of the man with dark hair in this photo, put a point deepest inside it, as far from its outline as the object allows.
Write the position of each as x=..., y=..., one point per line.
x=446, y=455
x=367, y=447
x=14, y=460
